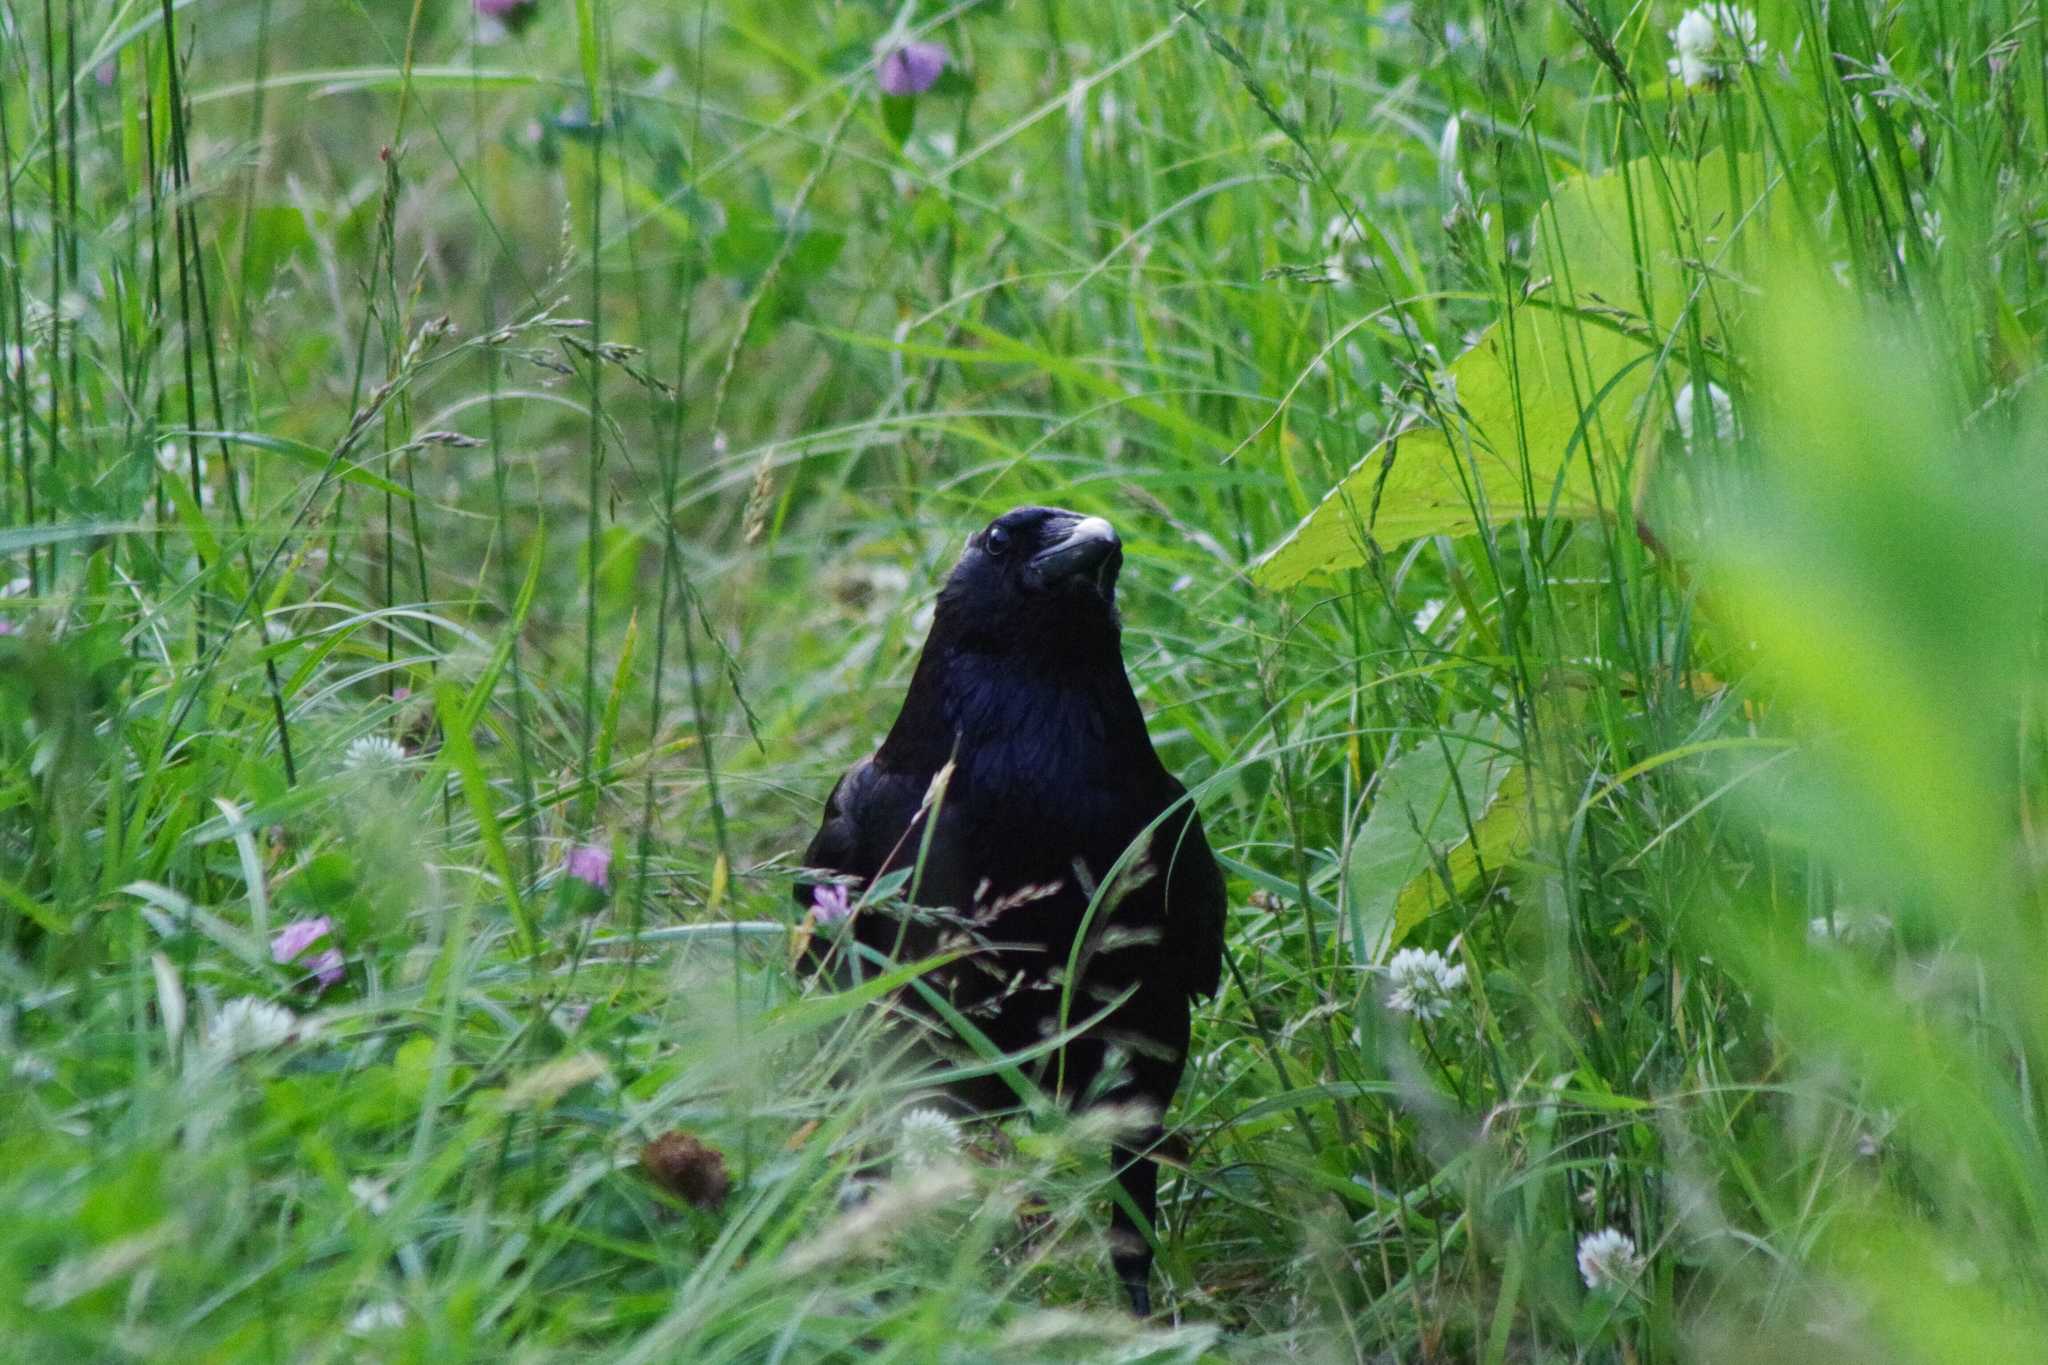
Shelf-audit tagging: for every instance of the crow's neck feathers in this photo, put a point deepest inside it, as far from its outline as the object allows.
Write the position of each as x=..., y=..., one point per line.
x=1069, y=698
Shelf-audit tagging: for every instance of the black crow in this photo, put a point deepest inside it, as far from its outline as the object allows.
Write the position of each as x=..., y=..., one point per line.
x=1021, y=687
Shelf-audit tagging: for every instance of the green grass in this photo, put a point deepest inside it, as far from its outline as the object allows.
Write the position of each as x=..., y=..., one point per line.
x=593, y=412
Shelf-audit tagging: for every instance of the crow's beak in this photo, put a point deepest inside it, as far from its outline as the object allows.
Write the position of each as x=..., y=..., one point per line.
x=1089, y=552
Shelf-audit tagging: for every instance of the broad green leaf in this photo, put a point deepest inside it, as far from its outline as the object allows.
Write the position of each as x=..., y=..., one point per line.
x=1430, y=796
x=1498, y=838
x=1550, y=396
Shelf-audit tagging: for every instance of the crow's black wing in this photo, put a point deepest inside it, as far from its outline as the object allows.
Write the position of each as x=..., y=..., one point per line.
x=1195, y=903
x=866, y=818
x=838, y=846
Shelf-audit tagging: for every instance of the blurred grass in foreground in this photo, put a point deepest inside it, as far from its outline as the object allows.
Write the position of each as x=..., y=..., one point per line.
x=1884, y=558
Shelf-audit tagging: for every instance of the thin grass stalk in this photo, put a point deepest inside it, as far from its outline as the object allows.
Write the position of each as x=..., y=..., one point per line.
x=508, y=590
x=258, y=112
x=392, y=425
x=154, y=304
x=186, y=215
x=508, y=580
x=594, y=449
x=71, y=233
x=198, y=677
x=128, y=336
x=671, y=420
x=54, y=358
x=398, y=417
x=13, y=349
x=675, y=576
x=410, y=457
x=179, y=227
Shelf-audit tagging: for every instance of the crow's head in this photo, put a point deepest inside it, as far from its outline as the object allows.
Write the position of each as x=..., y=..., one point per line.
x=1033, y=578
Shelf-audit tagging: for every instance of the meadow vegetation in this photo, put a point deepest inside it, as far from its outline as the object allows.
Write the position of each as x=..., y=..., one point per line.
x=472, y=476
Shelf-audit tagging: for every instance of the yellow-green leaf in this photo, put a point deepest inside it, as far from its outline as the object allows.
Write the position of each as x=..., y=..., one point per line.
x=1499, y=837
x=1542, y=412
x=1428, y=801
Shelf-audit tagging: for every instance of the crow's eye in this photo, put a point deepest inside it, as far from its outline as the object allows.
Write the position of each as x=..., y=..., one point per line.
x=996, y=540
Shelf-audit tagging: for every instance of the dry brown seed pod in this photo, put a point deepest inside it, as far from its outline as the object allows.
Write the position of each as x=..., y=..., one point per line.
x=687, y=1168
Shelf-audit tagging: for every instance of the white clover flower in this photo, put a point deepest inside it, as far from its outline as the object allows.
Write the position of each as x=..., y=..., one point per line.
x=373, y=1195
x=372, y=753
x=1721, y=414
x=928, y=1137
x=373, y=1318
x=1424, y=983
x=1608, y=1260
x=247, y=1024
x=1711, y=42
x=1345, y=257
x=1694, y=38
x=1340, y=233
x=1870, y=1143
x=1426, y=617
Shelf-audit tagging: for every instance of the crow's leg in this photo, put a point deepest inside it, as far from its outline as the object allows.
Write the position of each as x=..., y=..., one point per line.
x=1130, y=1243
x=1152, y=1032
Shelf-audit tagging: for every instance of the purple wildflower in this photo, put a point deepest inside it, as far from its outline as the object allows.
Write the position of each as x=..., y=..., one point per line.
x=590, y=863
x=105, y=73
x=911, y=69
x=513, y=14
x=830, y=904
x=298, y=936
x=327, y=967
x=295, y=939
x=8, y=627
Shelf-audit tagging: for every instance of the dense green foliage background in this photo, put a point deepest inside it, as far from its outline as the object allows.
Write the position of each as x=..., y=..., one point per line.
x=429, y=448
